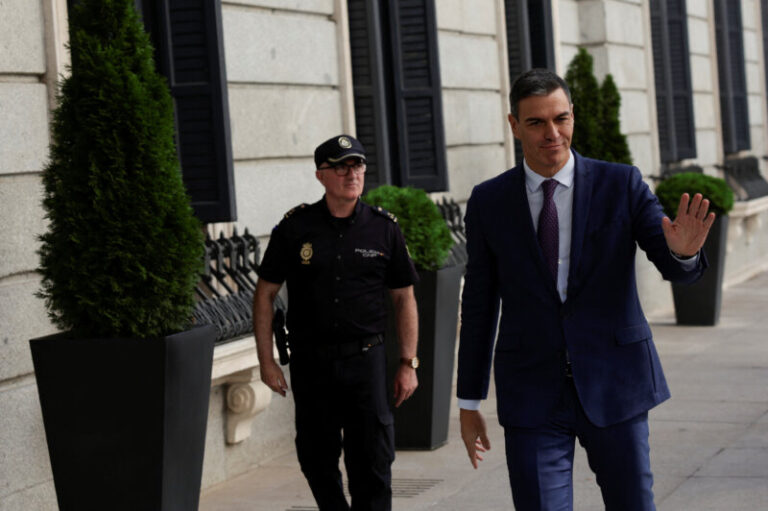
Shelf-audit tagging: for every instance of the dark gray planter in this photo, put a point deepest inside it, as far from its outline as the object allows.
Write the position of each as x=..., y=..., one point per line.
x=125, y=419
x=421, y=422
x=699, y=303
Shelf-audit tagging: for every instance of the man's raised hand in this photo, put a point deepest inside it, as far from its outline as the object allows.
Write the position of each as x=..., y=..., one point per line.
x=686, y=235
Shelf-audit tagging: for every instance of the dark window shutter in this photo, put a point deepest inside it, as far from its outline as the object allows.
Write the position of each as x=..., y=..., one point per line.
x=417, y=125
x=529, y=41
x=518, y=37
x=732, y=75
x=660, y=41
x=369, y=89
x=190, y=53
x=542, y=42
x=671, y=63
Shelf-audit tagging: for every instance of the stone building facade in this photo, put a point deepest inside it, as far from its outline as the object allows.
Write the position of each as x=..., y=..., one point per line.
x=292, y=80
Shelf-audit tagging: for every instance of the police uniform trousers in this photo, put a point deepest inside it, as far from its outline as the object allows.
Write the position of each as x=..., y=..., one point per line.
x=540, y=460
x=342, y=403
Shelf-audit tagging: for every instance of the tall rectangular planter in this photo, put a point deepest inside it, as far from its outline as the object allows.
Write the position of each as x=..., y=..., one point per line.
x=421, y=422
x=699, y=303
x=125, y=419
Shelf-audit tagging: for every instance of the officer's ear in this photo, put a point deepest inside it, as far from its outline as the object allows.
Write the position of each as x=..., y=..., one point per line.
x=319, y=176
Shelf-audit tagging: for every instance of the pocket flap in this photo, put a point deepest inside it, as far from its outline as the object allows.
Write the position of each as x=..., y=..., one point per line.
x=632, y=334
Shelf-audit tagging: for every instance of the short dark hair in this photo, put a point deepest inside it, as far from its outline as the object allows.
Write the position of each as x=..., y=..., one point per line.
x=536, y=82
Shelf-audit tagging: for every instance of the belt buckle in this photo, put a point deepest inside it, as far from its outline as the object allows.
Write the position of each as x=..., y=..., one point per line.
x=366, y=347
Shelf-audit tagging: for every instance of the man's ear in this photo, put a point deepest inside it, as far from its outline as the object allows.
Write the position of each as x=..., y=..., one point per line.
x=513, y=124
x=319, y=176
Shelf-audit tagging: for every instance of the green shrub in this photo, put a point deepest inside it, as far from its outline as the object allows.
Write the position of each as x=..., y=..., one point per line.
x=123, y=251
x=426, y=233
x=715, y=189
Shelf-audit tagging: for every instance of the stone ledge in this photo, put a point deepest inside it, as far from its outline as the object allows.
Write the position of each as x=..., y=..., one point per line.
x=236, y=368
x=749, y=207
x=745, y=220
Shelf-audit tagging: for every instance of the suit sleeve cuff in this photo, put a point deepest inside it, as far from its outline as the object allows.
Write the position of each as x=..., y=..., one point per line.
x=689, y=263
x=469, y=404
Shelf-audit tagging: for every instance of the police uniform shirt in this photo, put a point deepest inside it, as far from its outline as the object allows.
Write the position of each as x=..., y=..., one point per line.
x=337, y=271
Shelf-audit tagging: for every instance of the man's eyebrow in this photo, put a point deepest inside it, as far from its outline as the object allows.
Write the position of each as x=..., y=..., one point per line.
x=564, y=113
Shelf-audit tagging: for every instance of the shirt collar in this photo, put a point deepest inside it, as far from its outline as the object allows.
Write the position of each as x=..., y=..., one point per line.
x=349, y=219
x=564, y=176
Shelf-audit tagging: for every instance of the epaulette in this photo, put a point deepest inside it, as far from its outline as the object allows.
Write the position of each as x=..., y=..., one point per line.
x=293, y=210
x=384, y=212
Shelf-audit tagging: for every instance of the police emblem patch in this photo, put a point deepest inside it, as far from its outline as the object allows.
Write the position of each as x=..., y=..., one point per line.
x=306, y=253
x=345, y=142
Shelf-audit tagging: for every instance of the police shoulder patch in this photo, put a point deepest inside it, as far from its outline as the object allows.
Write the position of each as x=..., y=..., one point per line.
x=297, y=208
x=383, y=212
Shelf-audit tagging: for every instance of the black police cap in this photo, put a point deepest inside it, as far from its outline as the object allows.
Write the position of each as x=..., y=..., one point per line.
x=337, y=149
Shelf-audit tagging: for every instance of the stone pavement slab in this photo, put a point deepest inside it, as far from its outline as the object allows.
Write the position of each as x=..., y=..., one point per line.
x=709, y=442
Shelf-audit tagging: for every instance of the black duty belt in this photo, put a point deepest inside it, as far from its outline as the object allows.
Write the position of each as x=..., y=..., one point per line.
x=342, y=350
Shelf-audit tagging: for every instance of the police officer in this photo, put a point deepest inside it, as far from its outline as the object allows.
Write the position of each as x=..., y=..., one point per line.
x=338, y=256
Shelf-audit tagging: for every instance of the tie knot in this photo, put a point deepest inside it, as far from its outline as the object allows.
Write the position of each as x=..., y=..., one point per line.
x=548, y=186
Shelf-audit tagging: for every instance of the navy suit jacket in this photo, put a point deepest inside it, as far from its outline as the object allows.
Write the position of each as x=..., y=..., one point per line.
x=616, y=368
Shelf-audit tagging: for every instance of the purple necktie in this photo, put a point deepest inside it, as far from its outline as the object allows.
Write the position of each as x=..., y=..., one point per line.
x=548, y=232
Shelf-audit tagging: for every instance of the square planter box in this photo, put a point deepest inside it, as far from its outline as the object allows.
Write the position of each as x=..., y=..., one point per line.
x=699, y=303
x=421, y=422
x=125, y=419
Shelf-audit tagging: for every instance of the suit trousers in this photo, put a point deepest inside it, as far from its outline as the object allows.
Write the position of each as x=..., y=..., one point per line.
x=342, y=404
x=540, y=460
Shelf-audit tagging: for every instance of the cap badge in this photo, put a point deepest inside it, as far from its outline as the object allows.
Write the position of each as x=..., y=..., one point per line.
x=345, y=143
x=306, y=253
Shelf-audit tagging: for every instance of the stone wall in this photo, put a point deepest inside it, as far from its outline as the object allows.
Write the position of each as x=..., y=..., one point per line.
x=284, y=99
x=30, y=60
x=289, y=88
x=704, y=81
x=472, y=45
x=756, y=86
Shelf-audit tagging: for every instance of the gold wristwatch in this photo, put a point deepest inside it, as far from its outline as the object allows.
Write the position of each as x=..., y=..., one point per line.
x=410, y=362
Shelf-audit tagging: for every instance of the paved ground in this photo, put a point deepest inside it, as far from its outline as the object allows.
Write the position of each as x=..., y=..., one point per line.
x=709, y=443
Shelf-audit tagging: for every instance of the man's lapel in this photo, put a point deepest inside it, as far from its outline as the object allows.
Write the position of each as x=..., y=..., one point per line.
x=582, y=196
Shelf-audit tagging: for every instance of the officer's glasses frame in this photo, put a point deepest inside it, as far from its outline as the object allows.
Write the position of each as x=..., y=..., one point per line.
x=342, y=169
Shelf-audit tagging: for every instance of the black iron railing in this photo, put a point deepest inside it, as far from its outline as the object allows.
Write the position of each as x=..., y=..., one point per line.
x=225, y=291
x=453, y=217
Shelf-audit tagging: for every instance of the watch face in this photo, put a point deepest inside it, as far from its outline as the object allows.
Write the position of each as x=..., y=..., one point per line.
x=415, y=362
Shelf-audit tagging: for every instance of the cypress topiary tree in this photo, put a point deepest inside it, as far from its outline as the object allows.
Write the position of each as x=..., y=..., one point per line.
x=615, y=146
x=585, y=94
x=426, y=233
x=597, y=130
x=123, y=251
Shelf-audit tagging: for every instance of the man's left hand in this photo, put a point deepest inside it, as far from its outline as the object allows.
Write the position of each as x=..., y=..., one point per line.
x=686, y=235
x=405, y=384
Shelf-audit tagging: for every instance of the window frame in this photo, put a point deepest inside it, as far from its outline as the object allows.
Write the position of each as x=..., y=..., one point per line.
x=734, y=107
x=399, y=115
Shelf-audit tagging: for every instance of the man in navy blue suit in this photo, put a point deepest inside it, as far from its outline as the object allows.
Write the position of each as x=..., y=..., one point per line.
x=553, y=242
